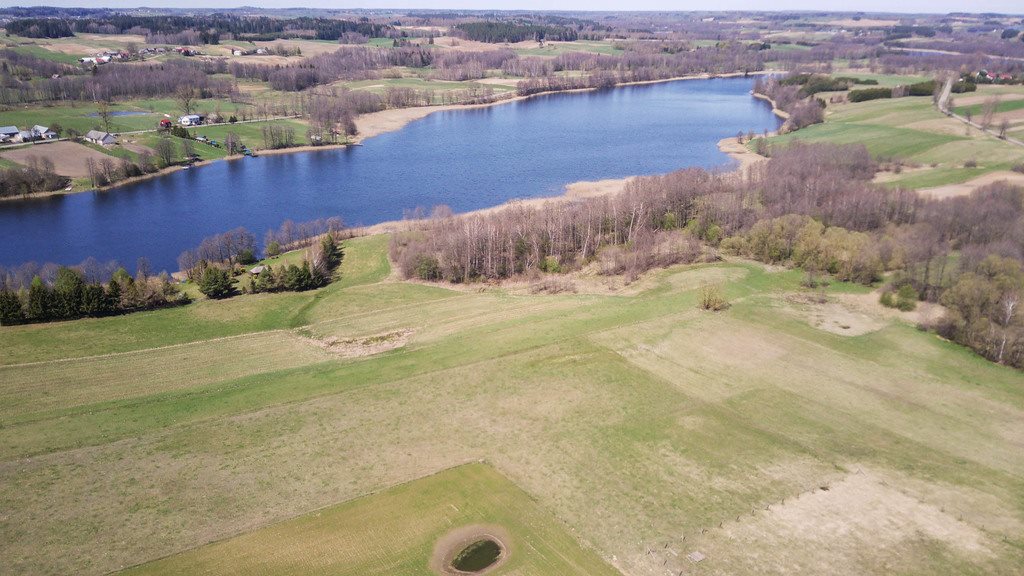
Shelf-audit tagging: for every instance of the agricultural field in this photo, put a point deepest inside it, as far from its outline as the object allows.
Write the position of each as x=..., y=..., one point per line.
x=622, y=427
x=938, y=150
x=397, y=532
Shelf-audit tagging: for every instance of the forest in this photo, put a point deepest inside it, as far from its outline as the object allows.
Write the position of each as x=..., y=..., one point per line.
x=208, y=28
x=498, y=32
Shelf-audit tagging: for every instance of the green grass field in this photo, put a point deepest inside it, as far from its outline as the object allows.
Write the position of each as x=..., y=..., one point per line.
x=978, y=109
x=911, y=129
x=78, y=118
x=394, y=533
x=777, y=437
x=251, y=133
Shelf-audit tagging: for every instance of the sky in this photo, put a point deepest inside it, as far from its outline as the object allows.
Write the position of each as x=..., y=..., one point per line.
x=930, y=6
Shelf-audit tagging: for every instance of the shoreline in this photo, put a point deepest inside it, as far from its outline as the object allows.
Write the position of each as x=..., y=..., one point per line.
x=574, y=191
x=391, y=120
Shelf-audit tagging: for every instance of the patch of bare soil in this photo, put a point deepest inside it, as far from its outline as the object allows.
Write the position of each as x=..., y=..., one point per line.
x=68, y=157
x=836, y=524
x=834, y=316
x=449, y=545
x=965, y=188
x=137, y=148
x=363, y=346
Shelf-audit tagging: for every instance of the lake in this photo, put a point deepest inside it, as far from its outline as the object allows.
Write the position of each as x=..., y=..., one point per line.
x=467, y=159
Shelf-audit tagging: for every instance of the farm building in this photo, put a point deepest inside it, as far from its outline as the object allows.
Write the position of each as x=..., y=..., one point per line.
x=7, y=133
x=190, y=120
x=101, y=138
x=43, y=133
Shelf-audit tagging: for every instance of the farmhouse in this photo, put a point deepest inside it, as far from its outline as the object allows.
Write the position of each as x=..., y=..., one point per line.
x=101, y=138
x=190, y=120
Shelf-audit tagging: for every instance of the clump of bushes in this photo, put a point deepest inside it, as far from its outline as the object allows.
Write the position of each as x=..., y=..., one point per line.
x=904, y=298
x=712, y=298
x=866, y=94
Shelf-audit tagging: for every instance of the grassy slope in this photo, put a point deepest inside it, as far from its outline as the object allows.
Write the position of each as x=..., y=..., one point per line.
x=359, y=537
x=635, y=419
x=911, y=129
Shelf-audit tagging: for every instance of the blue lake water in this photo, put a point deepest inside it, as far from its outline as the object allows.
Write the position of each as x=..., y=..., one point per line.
x=467, y=159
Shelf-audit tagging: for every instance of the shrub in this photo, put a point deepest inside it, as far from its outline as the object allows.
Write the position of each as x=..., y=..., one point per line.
x=273, y=249
x=427, y=268
x=887, y=300
x=1019, y=168
x=971, y=164
x=215, y=283
x=866, y=94
x=906, y=298
x=711, y=298
x=926, y=88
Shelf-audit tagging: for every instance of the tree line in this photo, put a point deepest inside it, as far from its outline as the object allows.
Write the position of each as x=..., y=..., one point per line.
x=209, y=28
x=70, y=295
x=497, y=32
x=37, y=176
x=812, y=206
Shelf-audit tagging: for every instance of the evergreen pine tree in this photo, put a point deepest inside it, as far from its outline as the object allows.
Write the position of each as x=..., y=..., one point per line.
x=11, y=312
x=40, y=301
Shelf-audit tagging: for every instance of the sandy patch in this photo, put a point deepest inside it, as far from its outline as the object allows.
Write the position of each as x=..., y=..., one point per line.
x=837, y=317
x=499, y=81
x=68, y=157
x=594, y=188
x=740, y=153
x=449, y=545
x=965, y=188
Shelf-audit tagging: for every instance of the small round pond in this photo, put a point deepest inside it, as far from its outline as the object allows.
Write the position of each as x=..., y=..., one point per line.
x=478, y=556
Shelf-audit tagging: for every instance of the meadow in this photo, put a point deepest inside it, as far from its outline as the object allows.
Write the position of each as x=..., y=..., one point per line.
x=621, y=425
x=937, y=150
x=394, y=533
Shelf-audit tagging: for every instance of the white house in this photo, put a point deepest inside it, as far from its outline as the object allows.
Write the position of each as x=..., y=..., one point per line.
x=190, y=120
x=101, y=138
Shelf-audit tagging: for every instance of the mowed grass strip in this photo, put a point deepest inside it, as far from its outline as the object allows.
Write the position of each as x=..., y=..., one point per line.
x=394, y=534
